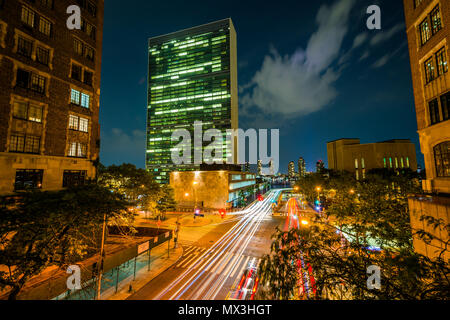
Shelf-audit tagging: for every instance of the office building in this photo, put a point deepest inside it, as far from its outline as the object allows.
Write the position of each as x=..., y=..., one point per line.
x=192, y=77
x=49, y=94
x=301, y=167
x=352, y=156
x=211, y=190
x=291, y=171
x=428, y=31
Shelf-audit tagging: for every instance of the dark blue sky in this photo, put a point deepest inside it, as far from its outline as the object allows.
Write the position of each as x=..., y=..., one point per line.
x=310, y=68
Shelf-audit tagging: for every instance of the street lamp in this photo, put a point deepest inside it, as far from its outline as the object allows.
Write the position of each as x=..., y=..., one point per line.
x=352, y=191
x=305, y=222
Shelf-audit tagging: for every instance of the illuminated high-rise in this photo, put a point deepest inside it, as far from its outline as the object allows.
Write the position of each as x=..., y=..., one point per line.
x=192, y=77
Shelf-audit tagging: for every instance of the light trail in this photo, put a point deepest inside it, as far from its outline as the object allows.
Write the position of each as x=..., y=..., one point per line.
x=225, y=254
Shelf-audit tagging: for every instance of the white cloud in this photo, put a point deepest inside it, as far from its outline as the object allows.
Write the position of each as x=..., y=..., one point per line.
x=382, y=35
x=303, y=82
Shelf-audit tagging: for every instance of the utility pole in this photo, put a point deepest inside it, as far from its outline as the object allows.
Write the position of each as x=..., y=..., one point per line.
x=102, y=257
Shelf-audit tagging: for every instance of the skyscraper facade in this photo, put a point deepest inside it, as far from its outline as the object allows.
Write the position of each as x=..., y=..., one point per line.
x=192, y=77
x=49, y=94
x=301, y=167
x=291, y=170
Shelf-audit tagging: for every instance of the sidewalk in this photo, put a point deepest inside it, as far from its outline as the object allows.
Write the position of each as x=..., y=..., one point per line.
x=159, y=263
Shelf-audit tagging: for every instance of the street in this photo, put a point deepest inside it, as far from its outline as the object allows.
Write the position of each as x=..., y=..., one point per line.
x=211, y=267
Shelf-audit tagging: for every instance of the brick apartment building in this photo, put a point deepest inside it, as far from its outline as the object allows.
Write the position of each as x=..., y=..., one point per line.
x=49, y=94
x=428, y=31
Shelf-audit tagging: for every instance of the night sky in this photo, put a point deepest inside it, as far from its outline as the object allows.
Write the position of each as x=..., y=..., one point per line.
x=310, y=68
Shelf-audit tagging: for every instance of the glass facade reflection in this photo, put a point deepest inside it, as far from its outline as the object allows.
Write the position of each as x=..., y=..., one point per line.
x=192, y=77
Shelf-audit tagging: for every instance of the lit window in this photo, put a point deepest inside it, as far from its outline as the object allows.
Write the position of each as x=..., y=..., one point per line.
x=73, y=122
x=27, y=16
x=72, y=149
x=37, y=83
x=407, y=162
x=45, y=26
x=356, y=163
x=363, y=165
x=78, y=47
x=384, y=162
x=75, y=96
x=396, y=162
x=429, y=70
x=425, y=32
x=35, y=113
x=84, y=100
x=20, y=110
x=84, y=123
x=390, y=162
x=402, y=163
x=435, y=16
x=441, y=60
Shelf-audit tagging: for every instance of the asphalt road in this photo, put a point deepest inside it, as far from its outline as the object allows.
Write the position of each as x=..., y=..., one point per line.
x=216, y=256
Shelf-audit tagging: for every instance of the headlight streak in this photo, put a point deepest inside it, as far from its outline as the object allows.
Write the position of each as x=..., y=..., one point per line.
x=218, y=257
x=244, y=220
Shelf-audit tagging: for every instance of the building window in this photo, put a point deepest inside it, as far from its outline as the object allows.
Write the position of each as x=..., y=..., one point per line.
x=442, y=159
x=445, y=105
x=24, y=47
x=356, y=163
x=28, y=179
x=75, y=96
x=73, y=122
x=28, y=80
x=78, y=123
x=89, y=53
x=84, y=100
x=27, y=16
x=87, y=79
x=390, y=162
x=88, y=28
x=402, y=164
x=77, y=149
x=45, y=26
x=436, y=24
x=37, y=83
x=433, y=106
x=74, y=178
x=384, y=162
x=76, y=72
x=363, y=165
x=78, y=47
x=357, y=175
x=441, y=60
x=407, y=162
x=425, y=32
x=396, y=162
x=429, y=70
x=24, y=144
x=34, y=113
x=42, y=55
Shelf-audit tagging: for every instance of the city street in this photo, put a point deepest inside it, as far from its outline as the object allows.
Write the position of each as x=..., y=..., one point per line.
x=211, y=267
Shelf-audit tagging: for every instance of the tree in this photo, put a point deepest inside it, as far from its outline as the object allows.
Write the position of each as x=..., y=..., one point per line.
x=166, y=200
x=365, y=213
x=137, y=185
x=54, y=228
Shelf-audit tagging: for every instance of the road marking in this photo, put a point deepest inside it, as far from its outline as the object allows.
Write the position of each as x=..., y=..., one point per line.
x=237, y=266
x=225, y=264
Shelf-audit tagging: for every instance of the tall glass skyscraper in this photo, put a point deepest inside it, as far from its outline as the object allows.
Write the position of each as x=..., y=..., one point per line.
x=192, y=77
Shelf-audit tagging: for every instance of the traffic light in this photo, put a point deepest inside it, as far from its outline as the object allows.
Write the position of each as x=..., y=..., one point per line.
x=260, y=197
x=222, y=212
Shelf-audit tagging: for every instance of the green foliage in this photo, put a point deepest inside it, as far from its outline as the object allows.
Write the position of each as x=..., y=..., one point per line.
x=370, y=212
x=53, y=228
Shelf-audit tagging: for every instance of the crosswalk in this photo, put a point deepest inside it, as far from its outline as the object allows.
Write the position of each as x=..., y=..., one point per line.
x=235, y=264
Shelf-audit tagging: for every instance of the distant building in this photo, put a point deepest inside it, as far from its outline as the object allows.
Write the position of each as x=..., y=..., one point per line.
x=291, y=171
x=192, y=77
x=428, y=31
x=210, y=190
x=351, y=156
x=301, y=167
x=259, y=168
x=246, y=167
x=271, y=168
x=320, y=166
x=49, y=94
